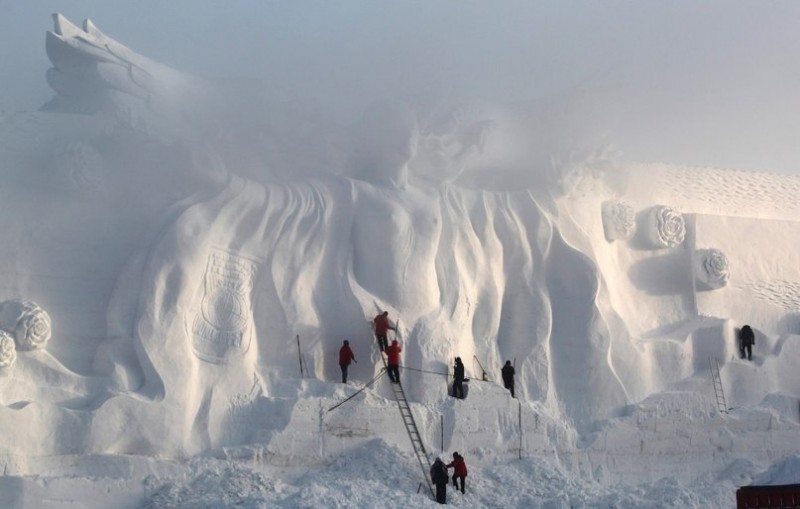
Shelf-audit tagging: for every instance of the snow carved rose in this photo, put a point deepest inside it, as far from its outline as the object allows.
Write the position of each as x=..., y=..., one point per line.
x=33, y=329
x=8, y=350
x=619, y=220
x=711, y=267
x=666, y=227
x=29, y=323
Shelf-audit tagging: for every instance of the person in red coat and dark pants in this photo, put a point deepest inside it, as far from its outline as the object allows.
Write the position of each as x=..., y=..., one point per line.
x=382, y=328
x=345, y=356
x=393, y=361
x=459, y=470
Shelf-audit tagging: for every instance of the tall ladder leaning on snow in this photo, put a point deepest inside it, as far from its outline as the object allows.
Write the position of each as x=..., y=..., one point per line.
x=411, y=428
x=719, y=393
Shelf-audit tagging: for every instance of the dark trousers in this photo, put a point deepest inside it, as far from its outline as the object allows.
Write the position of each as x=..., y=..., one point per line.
x=455, y=481
x=441, y=492
x=458, y=389
x=344, y=372
x=394, y=372
x=383, y=343
x=510, y=387
x=749, y=349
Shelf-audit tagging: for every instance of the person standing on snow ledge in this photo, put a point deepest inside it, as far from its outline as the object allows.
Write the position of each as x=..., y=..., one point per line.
x=747, y=339
x=393, y=361
x=458, y=379
x=508, y=377
x=345, y=356
x=382, y=328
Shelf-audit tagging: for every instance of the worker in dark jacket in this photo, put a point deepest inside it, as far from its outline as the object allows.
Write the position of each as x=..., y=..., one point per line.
x=345, y=356
x=458, y=379
x=382, y=328
x=439, y=478
x=459, y=470
x=508, y=377
x=746, y=341
x=393, y=361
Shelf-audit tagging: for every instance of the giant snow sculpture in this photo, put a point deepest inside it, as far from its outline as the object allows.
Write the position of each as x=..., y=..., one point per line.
x=207, y=283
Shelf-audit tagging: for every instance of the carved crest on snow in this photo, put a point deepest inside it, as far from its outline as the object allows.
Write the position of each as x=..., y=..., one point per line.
x=221, y=325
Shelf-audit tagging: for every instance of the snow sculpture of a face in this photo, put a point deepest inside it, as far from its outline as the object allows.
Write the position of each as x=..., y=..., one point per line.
x=385, y=141
x=666, y=227
x=711, y=268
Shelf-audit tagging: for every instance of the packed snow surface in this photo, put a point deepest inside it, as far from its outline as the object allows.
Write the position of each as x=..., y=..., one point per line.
x=183, y=263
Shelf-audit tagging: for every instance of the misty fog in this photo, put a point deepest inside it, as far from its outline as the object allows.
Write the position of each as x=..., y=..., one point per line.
x=710, y=83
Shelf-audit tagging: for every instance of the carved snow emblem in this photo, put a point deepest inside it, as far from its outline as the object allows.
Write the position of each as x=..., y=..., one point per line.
x=221, y=326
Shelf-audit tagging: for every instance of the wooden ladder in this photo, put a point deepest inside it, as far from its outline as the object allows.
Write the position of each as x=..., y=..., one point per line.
x=716, y=379
x=412, y=429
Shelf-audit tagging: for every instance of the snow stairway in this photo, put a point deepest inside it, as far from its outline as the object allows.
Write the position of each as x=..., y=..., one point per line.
x=411, y=428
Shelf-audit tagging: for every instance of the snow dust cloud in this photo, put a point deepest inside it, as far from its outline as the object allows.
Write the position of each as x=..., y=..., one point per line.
x=701, y=84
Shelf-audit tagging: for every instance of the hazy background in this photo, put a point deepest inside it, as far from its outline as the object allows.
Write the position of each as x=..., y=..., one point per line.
x=706, y=83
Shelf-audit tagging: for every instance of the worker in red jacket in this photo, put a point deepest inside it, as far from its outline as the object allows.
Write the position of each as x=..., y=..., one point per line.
x=459, y=470
x=345, y=356
x=393, y=361
x=382, y=328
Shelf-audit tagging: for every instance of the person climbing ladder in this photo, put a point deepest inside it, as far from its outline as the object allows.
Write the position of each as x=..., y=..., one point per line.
x=382, y=327
x=393, y=361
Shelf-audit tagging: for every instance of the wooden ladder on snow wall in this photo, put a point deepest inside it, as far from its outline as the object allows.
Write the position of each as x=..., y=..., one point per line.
x=719, y=393
x=411, y=428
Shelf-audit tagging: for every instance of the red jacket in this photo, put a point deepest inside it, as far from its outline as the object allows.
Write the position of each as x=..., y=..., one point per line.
x=459, y=466
x=382, y=325
x=393, y=353
x=345, y=356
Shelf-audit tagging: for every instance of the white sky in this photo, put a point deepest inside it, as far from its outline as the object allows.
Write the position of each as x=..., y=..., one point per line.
x=681, y=81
